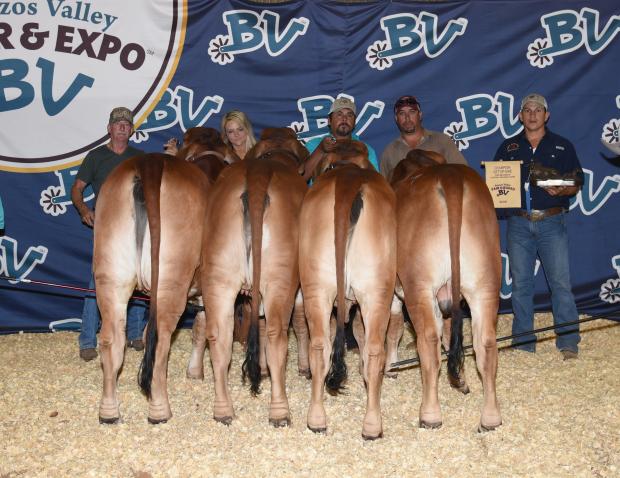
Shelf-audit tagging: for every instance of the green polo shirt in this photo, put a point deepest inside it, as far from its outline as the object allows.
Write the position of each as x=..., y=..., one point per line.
x=100, y=162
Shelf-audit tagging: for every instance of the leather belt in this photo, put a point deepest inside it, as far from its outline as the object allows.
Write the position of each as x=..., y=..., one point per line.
x=540, y=214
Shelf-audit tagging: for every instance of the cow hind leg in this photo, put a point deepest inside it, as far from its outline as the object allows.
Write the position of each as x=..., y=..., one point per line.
x=396, y=328
x=113, y=307
x=375, y=314
x=220, y=310
x=484, y=325
x=425, y=318
x=277, y=312
x=360, y=336
x=195, y=367
x=300, y=327
x=318, y=312
x=170, y=306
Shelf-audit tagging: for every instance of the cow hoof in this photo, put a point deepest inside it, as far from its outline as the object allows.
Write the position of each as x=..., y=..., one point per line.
x=372, y=437
x=305, y=373
x=224, y=420
x=430, y=425
x=487, y=428
x=109, y=421
x=195, y=376
x=321, y=430
x=280, y=422
x=392, y=375
x=156, y=421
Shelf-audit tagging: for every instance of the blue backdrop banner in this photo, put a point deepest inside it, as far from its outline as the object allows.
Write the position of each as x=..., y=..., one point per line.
x=65, y=64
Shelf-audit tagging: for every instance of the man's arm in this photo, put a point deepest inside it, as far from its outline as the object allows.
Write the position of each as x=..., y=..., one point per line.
x=77, y=198
x=452, y=153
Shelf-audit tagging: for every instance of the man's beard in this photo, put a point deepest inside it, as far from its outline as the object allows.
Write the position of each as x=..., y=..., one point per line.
x=407, y=130
x=343, y=130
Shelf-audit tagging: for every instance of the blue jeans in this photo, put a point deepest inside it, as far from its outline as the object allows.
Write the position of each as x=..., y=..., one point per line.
x=549, y=239
x=137, y=316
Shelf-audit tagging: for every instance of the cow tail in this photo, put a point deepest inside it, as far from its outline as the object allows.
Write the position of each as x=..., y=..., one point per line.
x=149, y=173
x=347, y=207
x=452, y=186
x=258, y=179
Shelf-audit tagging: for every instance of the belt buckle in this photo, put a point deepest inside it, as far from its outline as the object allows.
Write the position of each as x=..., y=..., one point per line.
x=536, y=215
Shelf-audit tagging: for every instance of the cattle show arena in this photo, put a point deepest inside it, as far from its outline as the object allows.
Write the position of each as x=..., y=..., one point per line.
x=560, y=418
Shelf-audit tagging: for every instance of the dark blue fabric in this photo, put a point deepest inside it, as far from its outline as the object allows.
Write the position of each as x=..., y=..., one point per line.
x=468, y=63
x=553, y=151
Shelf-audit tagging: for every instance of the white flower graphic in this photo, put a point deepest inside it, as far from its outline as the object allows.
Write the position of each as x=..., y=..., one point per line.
x=534, y=56
x=374, y=58
x=454, y=130
x=611, y=131
x=47, y=201
x=216, y=53
x=610, y=291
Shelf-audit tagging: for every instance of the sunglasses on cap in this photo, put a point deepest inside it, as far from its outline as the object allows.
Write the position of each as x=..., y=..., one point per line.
x=406, y=101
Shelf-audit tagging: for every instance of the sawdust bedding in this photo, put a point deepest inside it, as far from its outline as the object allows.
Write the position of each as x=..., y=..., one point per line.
x=561, y=418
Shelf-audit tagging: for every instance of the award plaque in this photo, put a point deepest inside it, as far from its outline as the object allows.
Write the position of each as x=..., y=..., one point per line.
x=503, y=179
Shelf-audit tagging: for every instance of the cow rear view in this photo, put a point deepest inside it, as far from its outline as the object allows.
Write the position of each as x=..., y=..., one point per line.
x=148, y=235
x=448, y=246
x=347, y=255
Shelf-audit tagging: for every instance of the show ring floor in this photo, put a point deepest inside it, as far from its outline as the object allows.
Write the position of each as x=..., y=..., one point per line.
x=560, y=418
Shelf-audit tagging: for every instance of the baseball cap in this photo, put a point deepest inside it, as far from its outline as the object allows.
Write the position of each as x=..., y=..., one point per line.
x=341, y=103
x=120, y=114
x=535, y=98
x=406, y=100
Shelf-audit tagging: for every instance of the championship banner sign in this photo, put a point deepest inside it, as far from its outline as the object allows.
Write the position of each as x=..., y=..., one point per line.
x=503, y=179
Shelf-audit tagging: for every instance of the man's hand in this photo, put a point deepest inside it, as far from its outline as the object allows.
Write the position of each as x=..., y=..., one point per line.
x=171, y=147
x=88, y=216
x=561, y=190
x=327, y=144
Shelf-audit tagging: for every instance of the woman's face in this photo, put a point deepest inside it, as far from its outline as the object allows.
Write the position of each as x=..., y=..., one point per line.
x=236, y=133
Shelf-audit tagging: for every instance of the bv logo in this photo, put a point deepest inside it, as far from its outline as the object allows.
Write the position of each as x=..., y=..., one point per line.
x=12, y=266
x=610, y=290
x=315, y=109
x=590, y=200
x=405, y=34
x=482, y=115
x=248, y=31
x=178, y=106
x=567, y=31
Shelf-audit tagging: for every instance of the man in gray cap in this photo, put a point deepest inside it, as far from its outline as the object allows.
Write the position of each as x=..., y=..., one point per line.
x=94, y=170
x=538, y=228
x=341, y=121
x=408, y=117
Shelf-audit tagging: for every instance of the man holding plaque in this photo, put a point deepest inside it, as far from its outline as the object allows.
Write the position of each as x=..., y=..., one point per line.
x=550, y=174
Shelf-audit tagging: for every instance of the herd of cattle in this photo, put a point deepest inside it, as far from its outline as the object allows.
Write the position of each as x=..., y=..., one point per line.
x=192, y=227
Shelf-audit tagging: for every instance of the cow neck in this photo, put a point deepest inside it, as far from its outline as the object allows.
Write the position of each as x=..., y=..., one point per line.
x=194, y=157
x=280, y=151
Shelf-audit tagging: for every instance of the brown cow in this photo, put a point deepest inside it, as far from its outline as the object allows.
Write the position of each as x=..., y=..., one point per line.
x=251, y=243
x=149, y=220
x=347, y=252
x=448, y=245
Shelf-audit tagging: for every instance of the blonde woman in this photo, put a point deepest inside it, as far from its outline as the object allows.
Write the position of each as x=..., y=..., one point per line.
x=237, y=133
